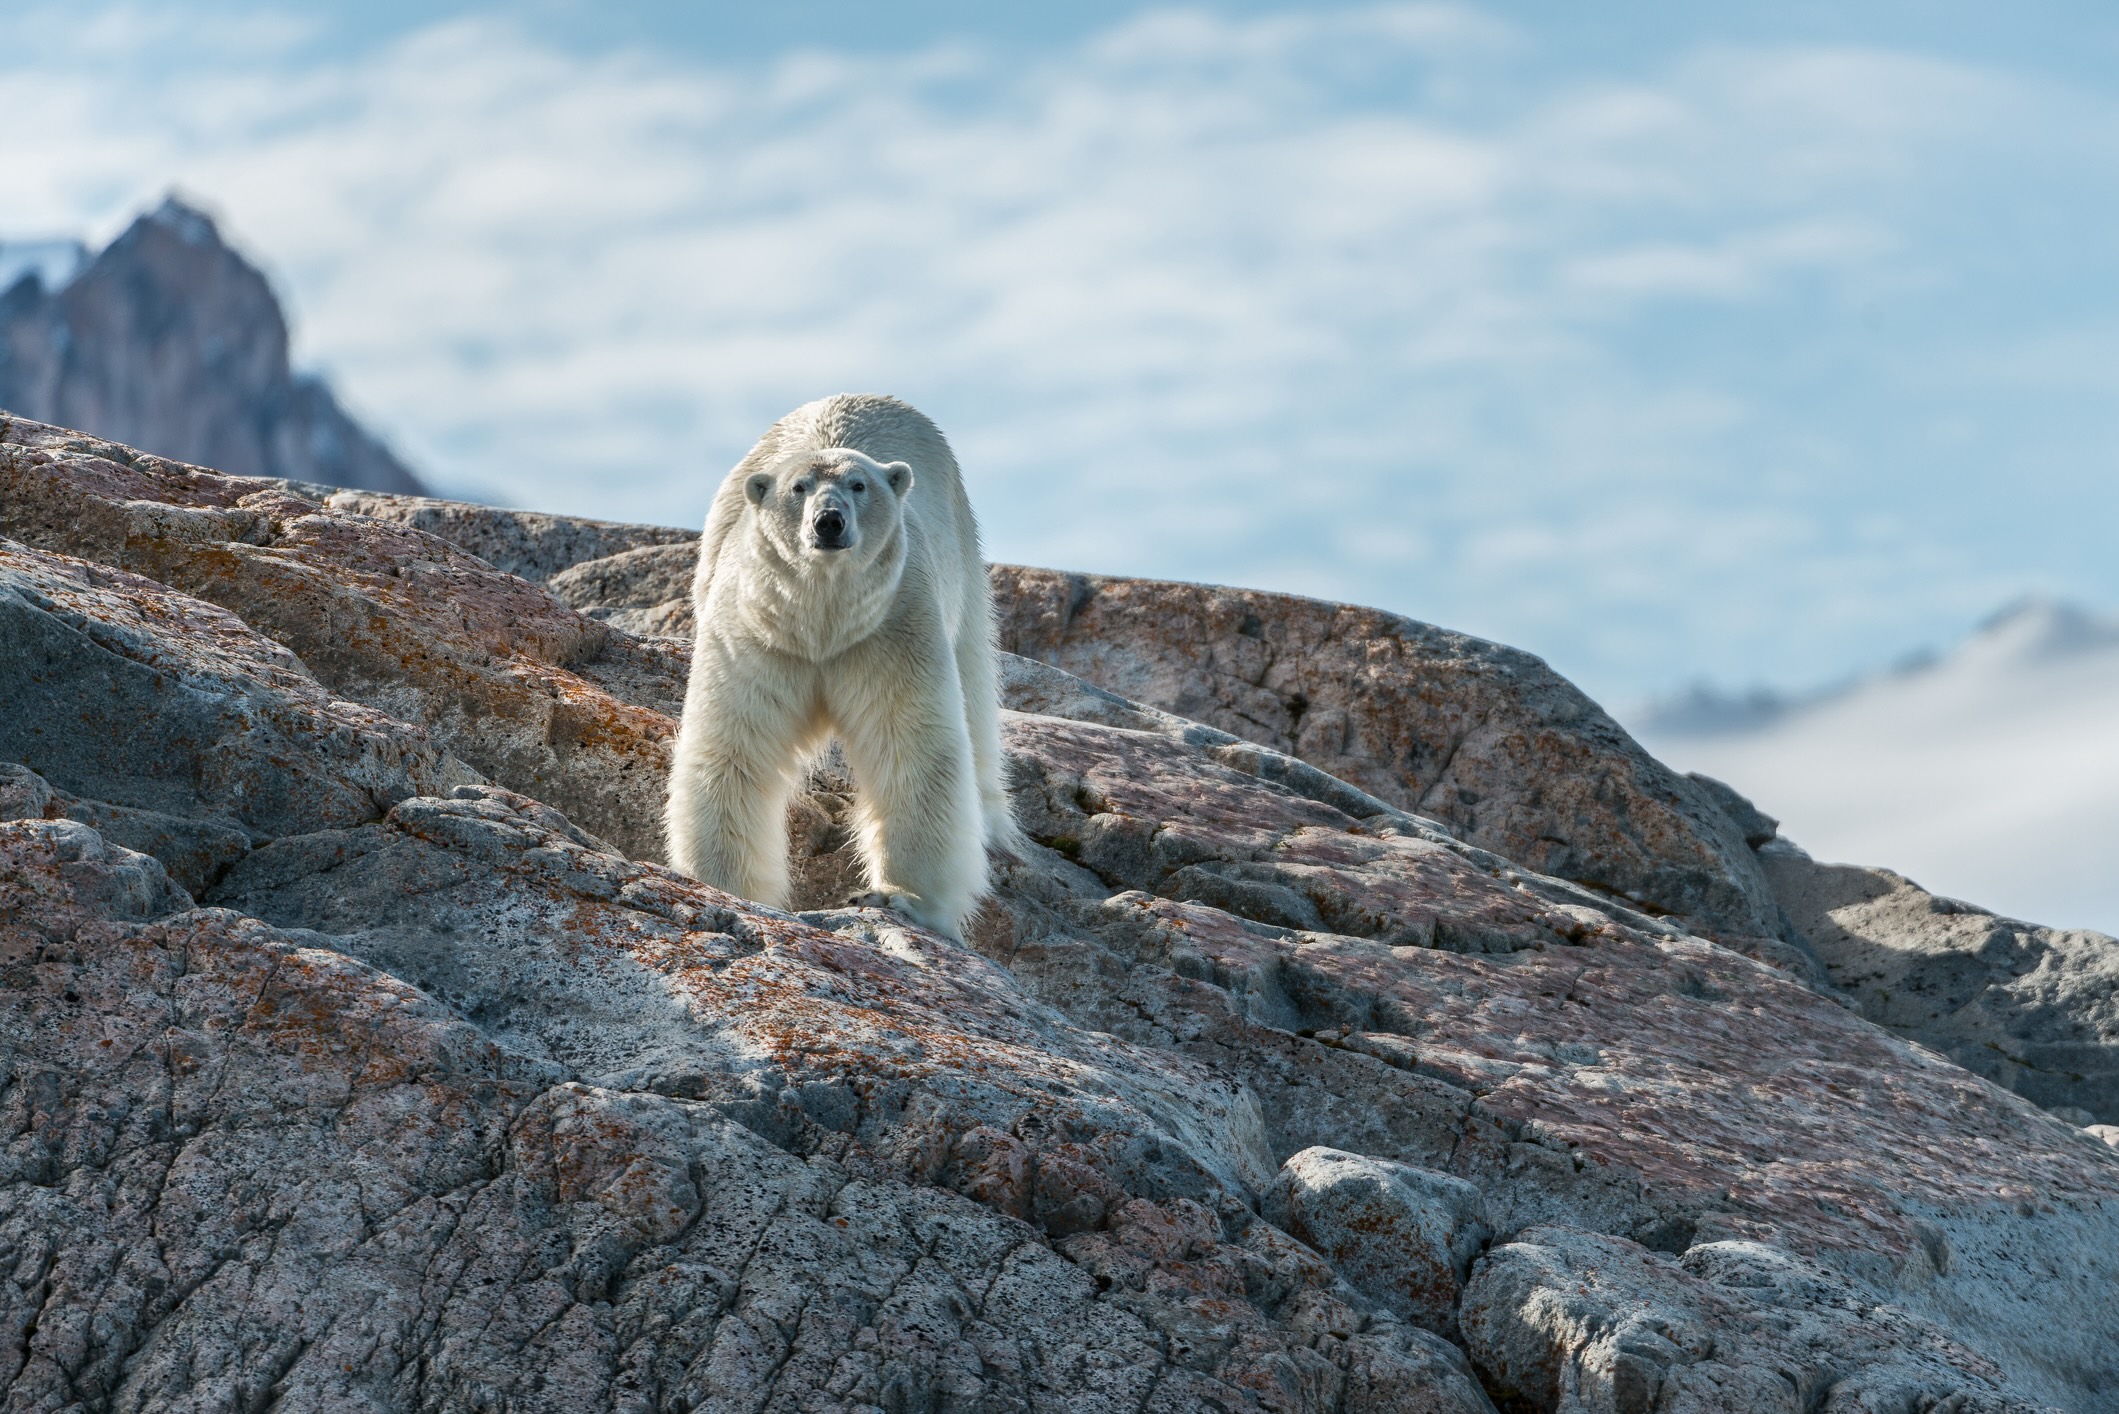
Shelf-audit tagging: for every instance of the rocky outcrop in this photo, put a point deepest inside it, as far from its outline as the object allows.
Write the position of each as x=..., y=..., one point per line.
x=429, y=1088
x=1486, y=740
x=1582, y=1322
x=528, y=693
x=2035, y=1010
x=170, y=339
x=172, y=727
x=539, y=547
x=1405, y=1237
x=247, y=1167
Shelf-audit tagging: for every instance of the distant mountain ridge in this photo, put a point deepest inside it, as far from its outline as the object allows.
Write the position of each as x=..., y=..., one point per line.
x=170, y=340
x=2030, y=629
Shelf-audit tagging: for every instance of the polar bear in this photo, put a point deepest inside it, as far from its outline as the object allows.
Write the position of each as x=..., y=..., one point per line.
x=840, y=594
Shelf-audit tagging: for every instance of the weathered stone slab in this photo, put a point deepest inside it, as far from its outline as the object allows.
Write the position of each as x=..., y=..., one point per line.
x=1487, y=740
x=1563, y=1319
x=2033, y=1009
x=242, y=1164
x=1405, y=1237
x=175, y=728
x=525, y=690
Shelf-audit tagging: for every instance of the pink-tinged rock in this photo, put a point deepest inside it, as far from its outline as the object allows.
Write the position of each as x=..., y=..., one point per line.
x=242, y=1165
x=1485, y=739
x=528, y=692
x=173, y=727
x=447, y=1104
x=1583, y=1064
x=538, y=547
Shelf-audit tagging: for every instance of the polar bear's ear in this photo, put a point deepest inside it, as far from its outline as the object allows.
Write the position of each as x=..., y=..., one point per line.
x=757, y=487
x=900, y=474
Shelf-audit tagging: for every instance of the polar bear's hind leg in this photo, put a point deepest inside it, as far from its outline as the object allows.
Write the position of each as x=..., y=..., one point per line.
x=982, y=720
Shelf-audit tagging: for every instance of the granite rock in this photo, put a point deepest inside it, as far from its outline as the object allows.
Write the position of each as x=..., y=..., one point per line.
x=1486, y=739
x=1562, y=1319
x=2035, y=1010
x=632, y=1144
x=540, y=547
x=1404, y=1236
x=173, y=727
x=437, y=1092
x=527, y=692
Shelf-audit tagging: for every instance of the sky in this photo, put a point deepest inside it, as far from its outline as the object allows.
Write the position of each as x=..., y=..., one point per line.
x=1747, y=343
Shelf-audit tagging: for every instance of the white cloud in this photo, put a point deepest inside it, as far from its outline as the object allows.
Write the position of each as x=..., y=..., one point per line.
x=1991, y=775
x=1202, y=297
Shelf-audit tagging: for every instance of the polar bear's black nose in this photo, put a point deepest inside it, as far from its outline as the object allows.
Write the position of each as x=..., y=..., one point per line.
x=831, y=531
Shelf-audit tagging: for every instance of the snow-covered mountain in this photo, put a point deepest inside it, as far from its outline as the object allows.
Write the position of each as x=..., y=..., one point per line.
x=1989, y=773
x=168, y=339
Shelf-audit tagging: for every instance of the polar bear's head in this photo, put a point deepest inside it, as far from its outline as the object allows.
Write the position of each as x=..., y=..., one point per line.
x=833, y=505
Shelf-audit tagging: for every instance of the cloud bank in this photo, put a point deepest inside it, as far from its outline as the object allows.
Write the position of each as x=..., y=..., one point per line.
x=1730, y=369
x=1991, y=774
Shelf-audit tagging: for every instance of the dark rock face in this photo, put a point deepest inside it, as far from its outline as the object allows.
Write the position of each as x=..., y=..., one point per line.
x=354, y=1052
x=2033, y=1009
x=169, y=339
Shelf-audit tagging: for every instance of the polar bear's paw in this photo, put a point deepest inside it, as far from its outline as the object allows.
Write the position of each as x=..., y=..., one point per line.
x=910, y=908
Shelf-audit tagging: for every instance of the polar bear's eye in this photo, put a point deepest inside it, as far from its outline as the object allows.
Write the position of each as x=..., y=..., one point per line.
x=801, y=488
x=859, y=486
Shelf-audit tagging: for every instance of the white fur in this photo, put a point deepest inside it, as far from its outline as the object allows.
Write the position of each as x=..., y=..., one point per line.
x=887, y=646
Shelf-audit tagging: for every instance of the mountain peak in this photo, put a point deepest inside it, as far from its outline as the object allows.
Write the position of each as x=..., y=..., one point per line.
x=188, y=222
x=2039, y=626
x=170, y=340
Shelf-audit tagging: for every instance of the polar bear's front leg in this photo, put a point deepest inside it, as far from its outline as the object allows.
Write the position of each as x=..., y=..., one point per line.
x=899, y=713
x=746, y=721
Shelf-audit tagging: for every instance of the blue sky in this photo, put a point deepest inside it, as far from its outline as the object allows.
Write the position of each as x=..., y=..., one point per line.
x=1745, y=342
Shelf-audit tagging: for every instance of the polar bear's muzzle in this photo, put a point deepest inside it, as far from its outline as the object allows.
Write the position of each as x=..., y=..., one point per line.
x=830, y=530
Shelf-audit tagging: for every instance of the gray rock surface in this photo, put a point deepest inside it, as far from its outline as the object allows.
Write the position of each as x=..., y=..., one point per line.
x=2033, y=1009
x=1569, y=1320
x=536, y=546
x=1486, y=739
x=436, y=1092
x=170, y=339
x=173, y=727
x=697, y=1156
x=1405, y=1237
